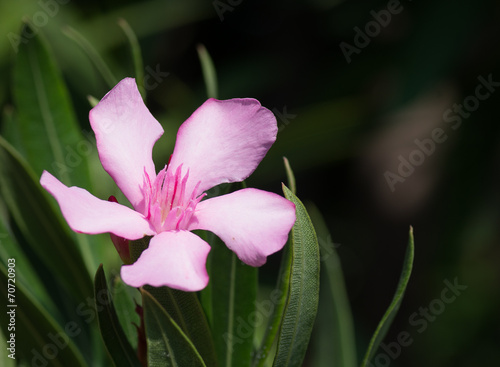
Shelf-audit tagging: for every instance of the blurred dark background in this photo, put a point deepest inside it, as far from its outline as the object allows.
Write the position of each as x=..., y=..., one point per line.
x=353, y=85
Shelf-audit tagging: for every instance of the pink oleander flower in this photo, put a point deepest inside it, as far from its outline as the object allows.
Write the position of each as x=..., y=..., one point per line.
x=222, y=141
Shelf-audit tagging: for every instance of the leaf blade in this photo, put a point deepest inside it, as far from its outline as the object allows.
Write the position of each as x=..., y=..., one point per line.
x=117, y=345
x=45, y=114
x=35, y=329
x=393, y=308
x=167, y=344
x=234, y=290
x=208, y=69
x=93, y=55
x=185, y=309
x=48, y=130
x=334, y=306
x=41, y=226
x=302, y=303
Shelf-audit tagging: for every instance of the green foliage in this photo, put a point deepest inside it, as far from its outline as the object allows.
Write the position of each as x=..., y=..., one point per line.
x=186, y=311
x=389, y=315
x=333, y=115
x=302, y=302
x=93, y=54
x=208, y=69
x=38, y=336
x=43, y=231
x=115, y=340
x=335, y=342
x=46, y=119
x=167, y=344
x=233, y=287
x=125, y=299
x=45, y=128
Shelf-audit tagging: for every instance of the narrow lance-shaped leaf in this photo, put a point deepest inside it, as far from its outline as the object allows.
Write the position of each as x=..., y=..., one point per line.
x=279, y=295
x=92, y=53
x=40, y=225
x=117, y=345
x=229, y=298
x=208, y=69
x=125, y=299
x=25, y=274
x=389, y=315
x=276, y=302
x=186, y=311
x=34, y=329
x=234, y=290
x=205, y=294
x=135, y=48
x=10, y=129
x=48, y=131
x=290, y=176
x=48, y=127
x=302, y=303
x=167, y=343
x=335, y=344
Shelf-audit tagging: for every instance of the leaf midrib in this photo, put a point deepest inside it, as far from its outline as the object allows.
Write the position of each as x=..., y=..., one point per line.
x=47, y=119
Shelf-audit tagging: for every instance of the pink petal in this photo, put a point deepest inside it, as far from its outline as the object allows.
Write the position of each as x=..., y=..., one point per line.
x=87, y=214
x=251, y=222
x=175, y=259
x=125, y=133
x=223, y=141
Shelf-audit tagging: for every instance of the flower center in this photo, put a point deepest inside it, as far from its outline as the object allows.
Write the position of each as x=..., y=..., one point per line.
x=167, y=204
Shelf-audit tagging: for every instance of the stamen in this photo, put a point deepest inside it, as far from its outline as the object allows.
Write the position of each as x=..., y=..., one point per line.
x=167, y=204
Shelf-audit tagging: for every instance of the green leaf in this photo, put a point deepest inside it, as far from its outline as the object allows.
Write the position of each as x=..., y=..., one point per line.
x=233, y=294
x=277, y=298
x=136, y=55
x=302, y=303
x=186, y=311
x=229, y=299
x=10, y=129
x=125, y=301
x=26, y=275
x=114, y=338
x=279, y=295
x=167, y=343
x=48, y=127
x=46, y=237
x=335, y=344
x=389, y=315
x=49, y=134
x=290, y=176
x=92, y=101
x=4, y=352
x=37, y=334
x=208, y=69
x=93, y=55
